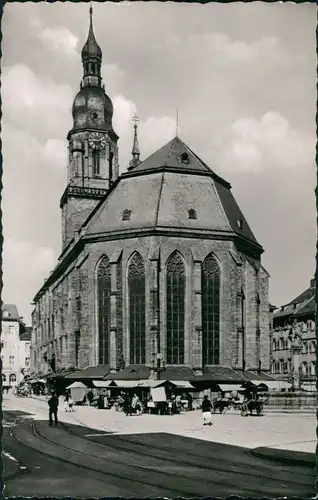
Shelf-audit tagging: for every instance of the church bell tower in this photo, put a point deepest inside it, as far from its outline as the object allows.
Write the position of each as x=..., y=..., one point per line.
x=92, y=144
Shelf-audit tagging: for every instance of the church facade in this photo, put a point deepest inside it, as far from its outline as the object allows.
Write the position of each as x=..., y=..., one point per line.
x=159, y=268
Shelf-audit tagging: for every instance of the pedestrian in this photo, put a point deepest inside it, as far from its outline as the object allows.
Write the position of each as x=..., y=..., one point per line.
x=206, y=411
x=70, y=404
x=66, y=400
x=90, y=397
x=53, y=403
x=127, y=405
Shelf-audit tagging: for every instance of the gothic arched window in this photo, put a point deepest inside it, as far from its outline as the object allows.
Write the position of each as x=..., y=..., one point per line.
x=176, y=286
x=137, y=306
x=103, y=299
x=210, y=311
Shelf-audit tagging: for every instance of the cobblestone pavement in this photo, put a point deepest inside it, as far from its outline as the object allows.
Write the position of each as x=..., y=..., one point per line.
x=296, y=432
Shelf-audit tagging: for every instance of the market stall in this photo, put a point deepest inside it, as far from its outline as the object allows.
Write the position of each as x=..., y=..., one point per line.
x=78, y=392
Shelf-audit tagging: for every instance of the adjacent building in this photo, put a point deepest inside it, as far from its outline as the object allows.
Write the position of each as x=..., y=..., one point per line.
x=298, y=316
x=15, y=346
x=159, y=268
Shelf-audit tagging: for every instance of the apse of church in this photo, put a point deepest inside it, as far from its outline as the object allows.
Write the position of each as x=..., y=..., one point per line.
x=158, y=263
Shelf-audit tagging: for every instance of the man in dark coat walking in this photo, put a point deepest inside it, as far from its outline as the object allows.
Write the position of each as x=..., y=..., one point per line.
x=53, y=407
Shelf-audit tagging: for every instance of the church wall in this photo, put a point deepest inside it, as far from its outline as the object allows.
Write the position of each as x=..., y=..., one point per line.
x=233, y=351
x=74, y=214
x=80, y=284
x=109, y=248
x=250, y=316
x=197, y=250
x=264, y=319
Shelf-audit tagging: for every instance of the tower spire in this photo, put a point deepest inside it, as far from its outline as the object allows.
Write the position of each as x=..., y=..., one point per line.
x=91, y=56
x=135, y=150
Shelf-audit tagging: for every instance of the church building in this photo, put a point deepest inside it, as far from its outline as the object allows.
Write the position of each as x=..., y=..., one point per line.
x=159, y=269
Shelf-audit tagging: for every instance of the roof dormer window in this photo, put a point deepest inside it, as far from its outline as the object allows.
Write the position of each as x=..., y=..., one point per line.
x=240, y=223
x=184, y=158
x=192, y=214
x=126, y=214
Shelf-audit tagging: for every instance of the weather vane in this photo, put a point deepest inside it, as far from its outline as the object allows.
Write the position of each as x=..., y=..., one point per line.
x=135, y=120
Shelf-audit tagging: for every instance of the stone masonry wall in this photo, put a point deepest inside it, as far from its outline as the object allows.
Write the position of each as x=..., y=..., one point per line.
x=74, y=214
x=264, y=319
x=81, y=283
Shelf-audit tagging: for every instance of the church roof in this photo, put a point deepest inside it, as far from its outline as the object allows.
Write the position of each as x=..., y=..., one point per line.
x=170, y=155
x=172, y=189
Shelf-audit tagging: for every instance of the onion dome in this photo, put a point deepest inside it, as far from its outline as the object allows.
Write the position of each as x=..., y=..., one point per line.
x=91, y=47
x=92, y=108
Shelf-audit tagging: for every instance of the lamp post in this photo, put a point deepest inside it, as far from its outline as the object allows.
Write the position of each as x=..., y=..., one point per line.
x=160, y=365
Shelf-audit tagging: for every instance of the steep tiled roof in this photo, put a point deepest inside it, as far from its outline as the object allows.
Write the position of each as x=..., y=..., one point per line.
x=307, y=294
x=301, y=305
x=307, y=307
x=12, y=310
x=131, y=372
x=159, y=193
x=169, y=156
x=92, y=372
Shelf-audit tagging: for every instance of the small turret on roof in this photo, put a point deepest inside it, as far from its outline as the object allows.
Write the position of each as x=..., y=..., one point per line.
x=135, y=161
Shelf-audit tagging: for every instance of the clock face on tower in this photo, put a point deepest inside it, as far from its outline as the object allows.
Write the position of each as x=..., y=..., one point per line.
x=97, y=140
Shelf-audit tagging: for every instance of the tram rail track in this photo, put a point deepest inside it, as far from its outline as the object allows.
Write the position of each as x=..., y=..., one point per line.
x=198, y=458
x=121, y=476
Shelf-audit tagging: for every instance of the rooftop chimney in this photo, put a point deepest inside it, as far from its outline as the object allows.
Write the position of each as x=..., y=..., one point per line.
x=313, y=283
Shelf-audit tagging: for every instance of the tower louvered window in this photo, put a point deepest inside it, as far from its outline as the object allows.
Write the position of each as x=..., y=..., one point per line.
x=103, y=292
x=137, y=306
x=176, y=287
x=96, y=163
x=210, y=311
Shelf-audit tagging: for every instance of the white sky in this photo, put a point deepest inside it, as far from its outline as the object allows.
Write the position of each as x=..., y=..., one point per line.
x=243, y=77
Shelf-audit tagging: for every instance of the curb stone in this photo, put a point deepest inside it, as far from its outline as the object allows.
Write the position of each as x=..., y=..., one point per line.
x=285, y=456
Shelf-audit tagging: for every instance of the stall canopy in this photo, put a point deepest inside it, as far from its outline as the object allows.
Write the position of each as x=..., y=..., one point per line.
x=230, y=387
x=275, y=385
x=36, y=381
x=77, y=385
x=182, y=384
x=126, y=384
x=309, y=386
x=103, y=384
x=153, y=383
x=78, y=391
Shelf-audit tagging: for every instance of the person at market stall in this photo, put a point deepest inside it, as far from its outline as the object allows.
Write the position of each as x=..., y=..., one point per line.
x=127, y=405
x=100, y=402
x=206, y=411
x=136, y=404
